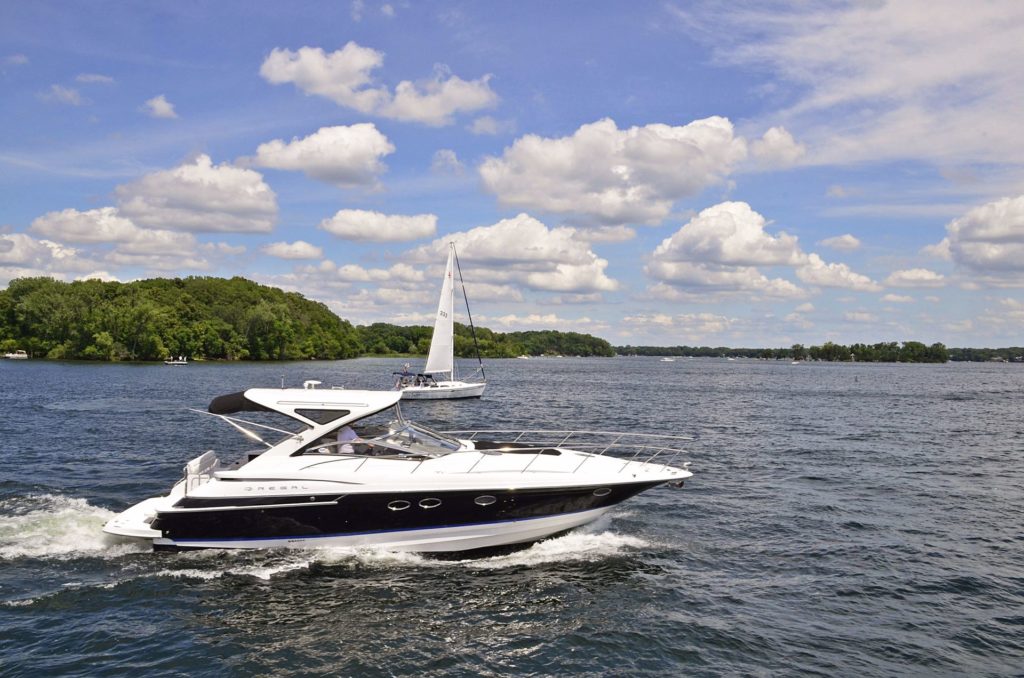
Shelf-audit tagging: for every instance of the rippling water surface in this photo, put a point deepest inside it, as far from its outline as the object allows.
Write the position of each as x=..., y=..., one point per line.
x=843, y=519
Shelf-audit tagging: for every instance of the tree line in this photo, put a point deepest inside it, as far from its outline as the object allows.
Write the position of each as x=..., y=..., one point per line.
x=384, y=339
x=225, y=319
x=888, y=351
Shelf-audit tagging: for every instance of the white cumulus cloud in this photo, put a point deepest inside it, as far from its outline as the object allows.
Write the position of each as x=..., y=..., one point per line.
x=915, y=277
x=729, y=233
x=614, y=176
x=988, y=239
x=345, y=77
x=400, y=272
x=102, y=225
x=300, y=249
x=201, y=197
x=777, y=149
x=159, y=107
x=815, y=271
x=372, y=226
x=446, y=162
x=721, y=248
x=693, y=327
x=23, y=250
x=345, y=156
x=523, y=250
x=106, y=225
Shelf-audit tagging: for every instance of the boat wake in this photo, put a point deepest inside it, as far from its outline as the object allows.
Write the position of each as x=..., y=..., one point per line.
x=57, y=526
x=587, y=544
x=584, y=545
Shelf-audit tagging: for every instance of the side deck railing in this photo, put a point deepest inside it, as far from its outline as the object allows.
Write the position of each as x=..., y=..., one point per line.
x=633, y=448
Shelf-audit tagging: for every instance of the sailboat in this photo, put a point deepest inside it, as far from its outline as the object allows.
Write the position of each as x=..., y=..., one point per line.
x=439, y=379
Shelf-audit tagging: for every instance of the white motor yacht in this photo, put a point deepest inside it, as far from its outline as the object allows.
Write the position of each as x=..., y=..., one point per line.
x=356, y=473
x=16, y=355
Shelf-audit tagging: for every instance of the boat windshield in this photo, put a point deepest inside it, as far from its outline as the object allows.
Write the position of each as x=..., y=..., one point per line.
x=419, y=439
x=385, y=433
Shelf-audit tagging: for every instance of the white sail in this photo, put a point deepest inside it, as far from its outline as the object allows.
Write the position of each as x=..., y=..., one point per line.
x=442, y=345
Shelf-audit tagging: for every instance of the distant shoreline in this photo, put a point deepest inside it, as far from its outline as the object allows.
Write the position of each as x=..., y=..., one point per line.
x=882, y=352
x=412, y=357
x=238, y=320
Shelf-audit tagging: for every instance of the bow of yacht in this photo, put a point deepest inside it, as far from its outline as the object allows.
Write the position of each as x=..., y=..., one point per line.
x=357, y=473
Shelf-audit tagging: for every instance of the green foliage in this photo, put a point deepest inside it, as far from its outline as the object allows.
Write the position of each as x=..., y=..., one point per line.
x=218, y=319
x=1013, y=354
x=892, y=351
x=385, y=339
x=197, y=317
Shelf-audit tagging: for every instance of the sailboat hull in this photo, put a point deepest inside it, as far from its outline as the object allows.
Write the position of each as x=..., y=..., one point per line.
x=444, y=390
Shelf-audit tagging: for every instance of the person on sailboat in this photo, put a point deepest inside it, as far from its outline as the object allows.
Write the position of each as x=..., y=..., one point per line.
x=405, y=377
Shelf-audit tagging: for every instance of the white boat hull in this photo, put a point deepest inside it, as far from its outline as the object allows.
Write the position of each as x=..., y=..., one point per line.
x=445, y=390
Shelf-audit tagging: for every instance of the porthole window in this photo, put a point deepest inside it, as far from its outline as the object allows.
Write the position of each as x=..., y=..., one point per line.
x=399, y=505
x=602, y=492
x=430, y=503
x=485, y=500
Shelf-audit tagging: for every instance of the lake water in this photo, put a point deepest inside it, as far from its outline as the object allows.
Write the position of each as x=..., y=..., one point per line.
x=843, y=519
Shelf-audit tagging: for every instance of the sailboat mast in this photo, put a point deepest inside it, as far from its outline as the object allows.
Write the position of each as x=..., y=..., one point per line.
x=469, y=314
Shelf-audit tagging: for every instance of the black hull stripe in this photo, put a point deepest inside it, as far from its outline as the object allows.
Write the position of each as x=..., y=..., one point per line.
x=383, y=512
x=395, y=530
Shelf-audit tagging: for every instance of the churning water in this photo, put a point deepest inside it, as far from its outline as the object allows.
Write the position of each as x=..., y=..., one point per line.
x=843, y=519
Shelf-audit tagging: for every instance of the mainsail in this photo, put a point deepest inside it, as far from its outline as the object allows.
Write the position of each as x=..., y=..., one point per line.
x=442, y=345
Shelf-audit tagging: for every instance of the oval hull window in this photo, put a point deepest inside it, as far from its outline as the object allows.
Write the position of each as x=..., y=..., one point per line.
x=484, y=500
x=602, y=492
x=399, y=505
x=430, y=503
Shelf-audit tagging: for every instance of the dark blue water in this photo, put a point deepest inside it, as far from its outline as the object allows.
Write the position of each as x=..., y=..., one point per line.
x=859, y=520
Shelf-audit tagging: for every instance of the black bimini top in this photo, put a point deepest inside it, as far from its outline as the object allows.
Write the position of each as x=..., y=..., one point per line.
x=235, y=402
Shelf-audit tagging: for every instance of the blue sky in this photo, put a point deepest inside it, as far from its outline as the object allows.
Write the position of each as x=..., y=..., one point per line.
x=652, y=173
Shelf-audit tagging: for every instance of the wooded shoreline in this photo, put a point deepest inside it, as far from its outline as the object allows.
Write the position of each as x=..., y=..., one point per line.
x=236, y=319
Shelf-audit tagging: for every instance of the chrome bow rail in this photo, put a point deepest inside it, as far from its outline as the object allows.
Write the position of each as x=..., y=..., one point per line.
x=632, y=448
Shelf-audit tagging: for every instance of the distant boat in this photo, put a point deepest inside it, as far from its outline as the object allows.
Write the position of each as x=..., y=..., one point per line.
x=795, y=362
x=523, y=357
x=180, y=360
x=730, y=358
x=441, y=357
x=668, y=360
x=17, y=355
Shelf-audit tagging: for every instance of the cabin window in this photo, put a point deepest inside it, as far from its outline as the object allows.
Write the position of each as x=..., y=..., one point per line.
x=430, y=502
x=322, y=416
x=399, y=505
x=602, y=492
x=485, y=500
